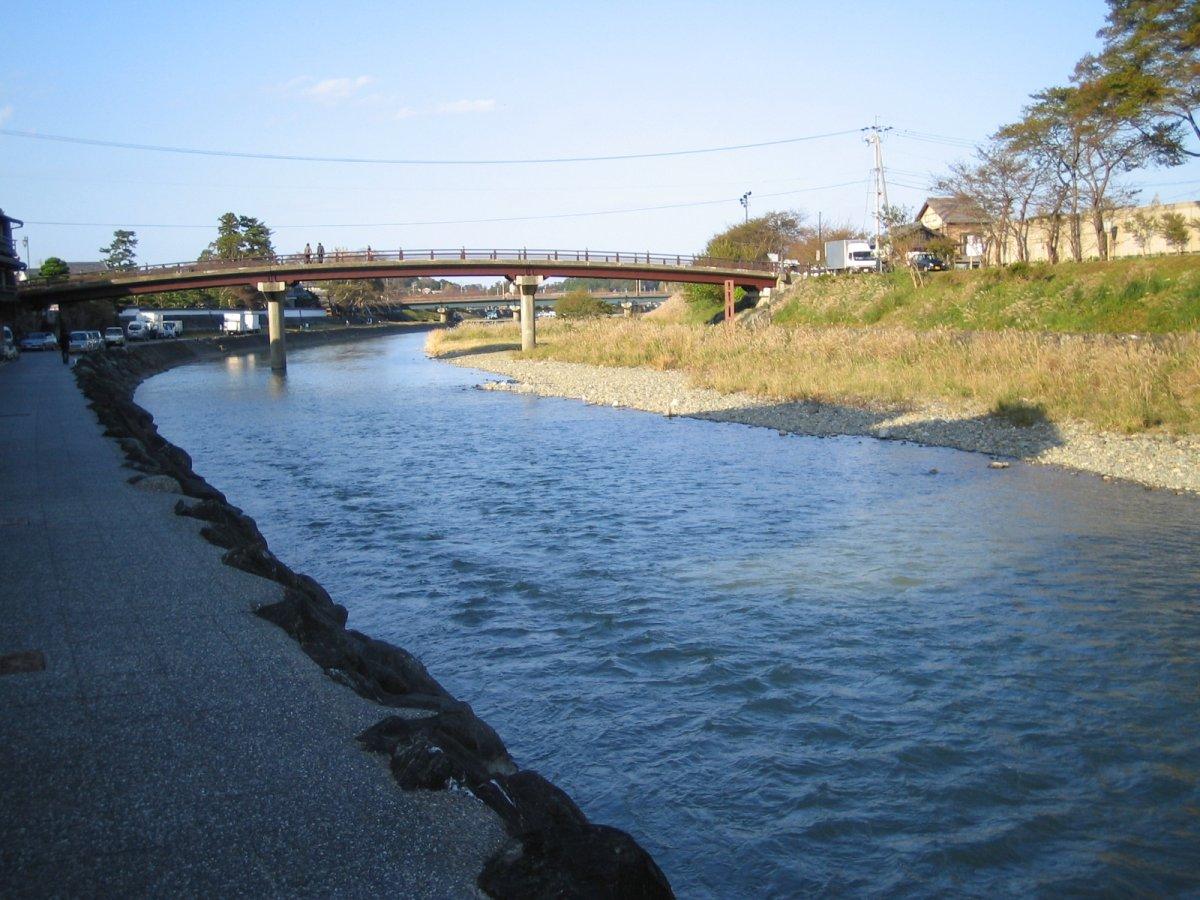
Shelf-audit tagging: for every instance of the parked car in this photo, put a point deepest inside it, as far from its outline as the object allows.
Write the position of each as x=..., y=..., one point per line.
x=97, y=340
x=39, y=340
x=169, y=330
x=114, y=337
x=8, y=347
x=137, y=330
x=927, y=262
x=80, y=342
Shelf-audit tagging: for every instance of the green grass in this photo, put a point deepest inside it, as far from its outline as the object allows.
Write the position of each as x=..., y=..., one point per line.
x=1158, y=295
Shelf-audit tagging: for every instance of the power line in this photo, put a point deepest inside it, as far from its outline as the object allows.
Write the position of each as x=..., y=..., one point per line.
x=238, y=154
x=929, y=138
x=386, y=189
x=571, y=215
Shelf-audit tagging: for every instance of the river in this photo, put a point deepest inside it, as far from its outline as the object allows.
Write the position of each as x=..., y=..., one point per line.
x=786, y=665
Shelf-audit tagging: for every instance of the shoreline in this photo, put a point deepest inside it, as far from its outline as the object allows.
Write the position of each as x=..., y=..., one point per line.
x=432, y=741
x=1153, y=461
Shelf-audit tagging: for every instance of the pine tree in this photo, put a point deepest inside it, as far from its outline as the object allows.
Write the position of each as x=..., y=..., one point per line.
x=121, y=253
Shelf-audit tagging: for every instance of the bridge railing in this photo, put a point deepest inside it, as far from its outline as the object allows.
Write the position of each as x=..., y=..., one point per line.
x=332, y=258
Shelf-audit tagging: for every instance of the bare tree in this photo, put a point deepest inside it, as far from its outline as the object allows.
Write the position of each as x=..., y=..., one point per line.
x=900, y=240
x=1049, y=136
x=1143, y=226
x=979, y=183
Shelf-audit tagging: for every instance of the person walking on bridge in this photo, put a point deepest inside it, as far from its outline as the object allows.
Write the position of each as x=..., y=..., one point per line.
x=320, y=252
x=307, y=253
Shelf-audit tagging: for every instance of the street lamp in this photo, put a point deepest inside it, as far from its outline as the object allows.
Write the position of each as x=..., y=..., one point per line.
x=745, y=201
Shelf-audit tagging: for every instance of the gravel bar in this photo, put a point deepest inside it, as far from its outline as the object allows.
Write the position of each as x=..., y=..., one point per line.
x=1158, y=461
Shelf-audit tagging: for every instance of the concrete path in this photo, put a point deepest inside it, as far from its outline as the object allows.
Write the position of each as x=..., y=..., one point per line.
x=175, y=743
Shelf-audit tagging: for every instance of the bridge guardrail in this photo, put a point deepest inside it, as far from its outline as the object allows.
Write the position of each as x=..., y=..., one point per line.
x=332, y=257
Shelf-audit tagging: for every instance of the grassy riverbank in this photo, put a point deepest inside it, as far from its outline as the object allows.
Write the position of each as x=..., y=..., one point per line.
x=1115, y=385
x=1024, y=343
x=1156, y=295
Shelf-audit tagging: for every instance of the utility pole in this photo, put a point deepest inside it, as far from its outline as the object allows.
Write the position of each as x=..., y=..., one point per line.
x=881, y=201
x=745, y=201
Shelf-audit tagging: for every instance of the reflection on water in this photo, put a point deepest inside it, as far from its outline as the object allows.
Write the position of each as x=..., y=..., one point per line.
x=786, y=665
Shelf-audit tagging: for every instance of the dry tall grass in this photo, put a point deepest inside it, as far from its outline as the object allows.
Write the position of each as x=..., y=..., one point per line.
x=1117, y=385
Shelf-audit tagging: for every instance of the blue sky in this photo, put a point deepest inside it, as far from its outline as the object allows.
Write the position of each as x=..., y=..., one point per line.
x=461, y=80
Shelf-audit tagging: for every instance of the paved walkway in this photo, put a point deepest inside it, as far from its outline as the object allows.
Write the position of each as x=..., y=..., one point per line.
x=175, y=743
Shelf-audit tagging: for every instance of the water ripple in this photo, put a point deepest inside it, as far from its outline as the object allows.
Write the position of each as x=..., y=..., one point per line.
x=788, y=667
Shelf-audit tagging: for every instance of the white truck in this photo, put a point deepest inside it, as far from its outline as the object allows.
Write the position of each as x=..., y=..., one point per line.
x=850, y=256
x=172, y=328
x=238, y=322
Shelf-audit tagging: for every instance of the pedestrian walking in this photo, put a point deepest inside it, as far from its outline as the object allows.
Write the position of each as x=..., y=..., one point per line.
x=64, y=339
x=307, y=253
x=369, y=256
x=320, y=252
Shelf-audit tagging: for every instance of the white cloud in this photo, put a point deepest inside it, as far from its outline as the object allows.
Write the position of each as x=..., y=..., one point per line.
x=407, y=112
x=5, y=113
x=457, y=107
x=328, y=90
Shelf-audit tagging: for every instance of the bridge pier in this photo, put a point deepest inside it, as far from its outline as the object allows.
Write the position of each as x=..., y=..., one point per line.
x=528, y=285
x=274, y=291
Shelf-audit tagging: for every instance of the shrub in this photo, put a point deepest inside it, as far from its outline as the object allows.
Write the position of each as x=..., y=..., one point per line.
x=1019, y=412
x=53, y=267
x=581, y=305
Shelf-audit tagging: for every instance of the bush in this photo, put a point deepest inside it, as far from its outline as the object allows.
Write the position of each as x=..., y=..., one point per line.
x=1019, y=411
x=581, y=305
x=53, y=268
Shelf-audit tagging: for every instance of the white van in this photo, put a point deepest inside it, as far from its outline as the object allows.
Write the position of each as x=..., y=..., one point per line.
x=137, y=331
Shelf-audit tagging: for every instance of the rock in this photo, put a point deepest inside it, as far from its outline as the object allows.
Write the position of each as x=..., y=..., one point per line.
x=591, y=861
x=932, y=472
x=156, y=484
x=998, y=464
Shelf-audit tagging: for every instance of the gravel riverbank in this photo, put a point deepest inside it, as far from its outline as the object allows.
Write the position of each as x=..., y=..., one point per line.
x=1159, y=461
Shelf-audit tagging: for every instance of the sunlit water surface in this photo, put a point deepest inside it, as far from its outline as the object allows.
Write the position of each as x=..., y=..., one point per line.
x=785, y=665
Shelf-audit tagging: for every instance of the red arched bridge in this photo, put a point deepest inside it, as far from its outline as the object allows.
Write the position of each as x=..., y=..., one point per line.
x=340, y=265
x=526, y=268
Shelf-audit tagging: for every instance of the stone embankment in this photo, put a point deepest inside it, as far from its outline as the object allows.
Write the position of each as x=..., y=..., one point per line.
x=433, y=741
x=1158, y=461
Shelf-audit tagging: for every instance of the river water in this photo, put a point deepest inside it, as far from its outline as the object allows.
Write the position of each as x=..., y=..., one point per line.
x=786, y=665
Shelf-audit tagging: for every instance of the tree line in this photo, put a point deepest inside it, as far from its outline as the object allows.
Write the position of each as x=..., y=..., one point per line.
x=1129, y=106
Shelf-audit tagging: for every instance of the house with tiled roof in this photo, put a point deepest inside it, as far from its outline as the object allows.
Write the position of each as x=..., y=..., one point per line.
x=10, y=261
x=960, y=220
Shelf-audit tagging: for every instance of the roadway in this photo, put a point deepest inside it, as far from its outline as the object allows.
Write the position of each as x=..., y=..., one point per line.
x=161, y=739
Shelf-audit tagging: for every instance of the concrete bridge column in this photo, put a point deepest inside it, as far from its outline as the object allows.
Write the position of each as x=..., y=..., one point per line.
x=528, y=285
x=516, y=312
x=443, y=315
x=274, y=291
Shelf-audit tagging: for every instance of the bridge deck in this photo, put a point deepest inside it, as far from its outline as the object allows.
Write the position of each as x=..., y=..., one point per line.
x=369, y=264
